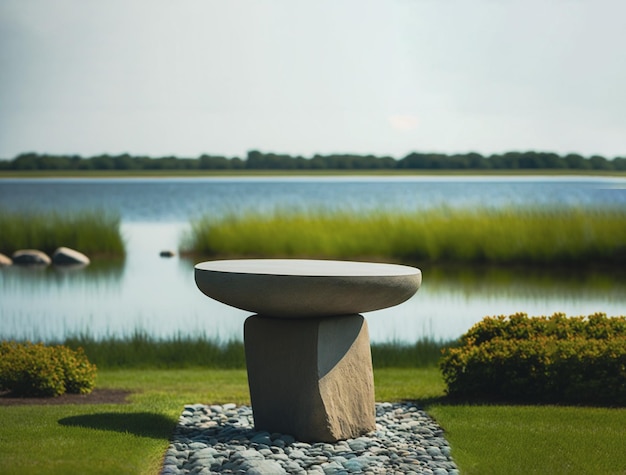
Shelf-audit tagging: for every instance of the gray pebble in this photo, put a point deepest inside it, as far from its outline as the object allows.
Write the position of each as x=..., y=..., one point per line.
x=265, y=467
x=221, y=439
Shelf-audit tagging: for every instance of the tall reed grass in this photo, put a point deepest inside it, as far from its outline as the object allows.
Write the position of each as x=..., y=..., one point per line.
x=92, y=232
x=424, y=353
x=492, y=236
x=140, y=350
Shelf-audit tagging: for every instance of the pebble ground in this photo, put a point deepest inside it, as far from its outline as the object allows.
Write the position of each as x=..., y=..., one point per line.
x=221, y=439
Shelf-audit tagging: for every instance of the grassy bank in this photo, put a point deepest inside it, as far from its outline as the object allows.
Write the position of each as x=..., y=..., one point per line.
x=484, y=439
x=141, y=350
x=91, y=232
x=535, y=236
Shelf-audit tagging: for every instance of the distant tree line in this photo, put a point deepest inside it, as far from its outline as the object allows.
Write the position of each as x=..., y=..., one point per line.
x=256, y=160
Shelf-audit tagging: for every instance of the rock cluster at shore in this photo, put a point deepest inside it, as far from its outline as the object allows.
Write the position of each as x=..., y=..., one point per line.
x=221, y=439
x=63, y=256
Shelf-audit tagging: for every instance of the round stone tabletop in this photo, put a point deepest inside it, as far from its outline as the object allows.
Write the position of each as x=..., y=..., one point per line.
x=301, y=288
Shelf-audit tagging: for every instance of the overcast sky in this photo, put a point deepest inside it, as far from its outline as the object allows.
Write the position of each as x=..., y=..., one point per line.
x=187, y=77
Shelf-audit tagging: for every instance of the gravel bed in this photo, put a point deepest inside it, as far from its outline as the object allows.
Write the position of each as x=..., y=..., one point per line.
x=222, y=440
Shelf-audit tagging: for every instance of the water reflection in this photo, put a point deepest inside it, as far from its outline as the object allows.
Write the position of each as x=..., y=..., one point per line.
x=450, y=300
x=99, y=272
x=524, y=282
x=159, y=296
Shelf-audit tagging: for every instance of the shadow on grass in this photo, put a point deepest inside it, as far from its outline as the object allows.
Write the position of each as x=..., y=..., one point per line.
x=143, y=424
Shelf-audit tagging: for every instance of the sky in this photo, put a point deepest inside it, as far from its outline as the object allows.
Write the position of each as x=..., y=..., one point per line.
x=380, y=77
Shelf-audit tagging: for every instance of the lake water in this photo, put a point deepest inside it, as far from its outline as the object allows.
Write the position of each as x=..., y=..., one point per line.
x=157, y=295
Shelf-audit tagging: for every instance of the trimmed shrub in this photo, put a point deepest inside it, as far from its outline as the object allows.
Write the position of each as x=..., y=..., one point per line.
x=80, y=374
x=580, y=360
x=37, y=370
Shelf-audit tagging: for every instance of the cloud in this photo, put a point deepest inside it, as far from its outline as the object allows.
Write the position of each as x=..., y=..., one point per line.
x=403, y=121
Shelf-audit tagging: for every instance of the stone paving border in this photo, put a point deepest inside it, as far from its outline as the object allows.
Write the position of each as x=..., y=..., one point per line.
x=221, y=439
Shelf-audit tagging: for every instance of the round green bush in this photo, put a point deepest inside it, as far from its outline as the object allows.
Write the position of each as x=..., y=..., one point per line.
x=558, y=359
x=28, y=369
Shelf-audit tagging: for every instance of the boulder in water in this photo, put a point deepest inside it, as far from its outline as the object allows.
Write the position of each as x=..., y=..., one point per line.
x=30, y=257
x=67, y=256
x=5, y=261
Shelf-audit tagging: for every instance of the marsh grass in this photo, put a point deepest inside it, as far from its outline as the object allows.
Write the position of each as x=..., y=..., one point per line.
x=93, y=232
x=424, y=353
x=140, y=350
x=534, y=236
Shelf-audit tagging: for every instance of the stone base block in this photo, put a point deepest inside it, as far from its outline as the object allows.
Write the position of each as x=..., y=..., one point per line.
x=311, y=378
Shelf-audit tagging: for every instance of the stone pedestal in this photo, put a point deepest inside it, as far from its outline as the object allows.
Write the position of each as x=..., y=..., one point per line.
x=311, y=378
x=307, y=349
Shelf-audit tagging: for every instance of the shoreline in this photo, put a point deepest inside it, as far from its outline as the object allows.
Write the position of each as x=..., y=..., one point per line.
x=12, y=174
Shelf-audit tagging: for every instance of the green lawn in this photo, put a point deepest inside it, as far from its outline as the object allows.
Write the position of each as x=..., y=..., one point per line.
x=132, y=438
x=498, y=439
x=111, y=439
